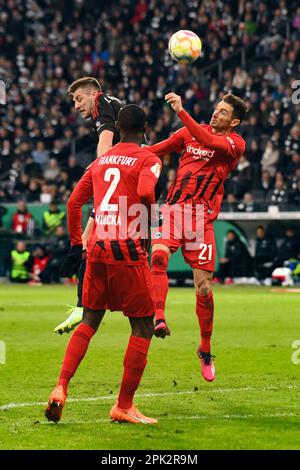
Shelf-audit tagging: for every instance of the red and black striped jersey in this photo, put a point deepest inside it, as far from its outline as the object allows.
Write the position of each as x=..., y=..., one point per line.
x=105, y=113
x=203, y=167
x=122, y=182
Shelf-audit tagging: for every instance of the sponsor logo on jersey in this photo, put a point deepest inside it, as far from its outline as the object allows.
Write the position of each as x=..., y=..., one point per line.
x=200, y=154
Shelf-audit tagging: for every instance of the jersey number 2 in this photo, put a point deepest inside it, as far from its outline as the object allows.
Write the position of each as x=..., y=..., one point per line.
x=115, y=174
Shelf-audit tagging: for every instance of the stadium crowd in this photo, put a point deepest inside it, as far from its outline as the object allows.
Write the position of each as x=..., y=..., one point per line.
x=44, y=45
x=45, y=144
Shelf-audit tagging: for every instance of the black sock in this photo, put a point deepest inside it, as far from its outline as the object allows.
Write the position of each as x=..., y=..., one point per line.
x=80, y=275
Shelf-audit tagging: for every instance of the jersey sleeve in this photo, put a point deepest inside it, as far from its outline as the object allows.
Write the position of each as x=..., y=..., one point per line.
x=232, y=146
x=105, y=119
x=175, y=143
x=82, y=193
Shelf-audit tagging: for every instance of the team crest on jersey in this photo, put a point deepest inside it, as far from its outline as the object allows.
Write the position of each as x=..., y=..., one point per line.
x=156, y=170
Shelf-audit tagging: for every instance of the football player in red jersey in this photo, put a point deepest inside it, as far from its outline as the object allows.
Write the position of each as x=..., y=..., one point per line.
x=117, y=259
x=210, y=152
x=102, y=109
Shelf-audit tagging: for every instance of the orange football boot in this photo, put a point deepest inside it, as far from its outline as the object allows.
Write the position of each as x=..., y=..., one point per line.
x=55, y=405
x=132, y=415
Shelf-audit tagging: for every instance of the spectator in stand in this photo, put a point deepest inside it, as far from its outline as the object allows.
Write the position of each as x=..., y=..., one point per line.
x=75, y=171
x=39, y=264
x=40, y=155
x=58, y=245
x=272, y=77
x=3, y=211
x=237, y=261
x=290, y=247
x=293, y=165
x=243, y=171
x=265, y=254
x=34, y=191
x=279, y=193
x=32, y=169
x=230, y=205
x=53, y=218
x=23, y=221
x=254, y=155
x=52, y=171
x=266, y=183
x=247, y=204
x=21, y=186
x=252, y=129
x=292, y=142
x=270, y=158
x=39, y=119
x=294, y=196
x=239, y=80
x=21, y=263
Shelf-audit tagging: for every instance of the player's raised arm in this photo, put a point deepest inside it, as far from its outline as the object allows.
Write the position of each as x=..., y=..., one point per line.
x=227, y=115
x=172, y=144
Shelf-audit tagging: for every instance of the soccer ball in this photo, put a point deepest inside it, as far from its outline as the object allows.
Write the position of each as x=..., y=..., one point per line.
x=185, y=46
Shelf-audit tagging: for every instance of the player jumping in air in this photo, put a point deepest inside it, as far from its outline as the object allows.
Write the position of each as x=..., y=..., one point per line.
x=103, y=109
x=114, y=263
x=210, y=152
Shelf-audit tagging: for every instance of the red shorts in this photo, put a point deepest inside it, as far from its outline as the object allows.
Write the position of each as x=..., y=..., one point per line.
x=199, y=251
x=123, y=288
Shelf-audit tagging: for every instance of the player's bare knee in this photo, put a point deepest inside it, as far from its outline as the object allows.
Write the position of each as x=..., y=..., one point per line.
x=92, y=318
x=142, y=327
x=203, y=288
x=160, y=259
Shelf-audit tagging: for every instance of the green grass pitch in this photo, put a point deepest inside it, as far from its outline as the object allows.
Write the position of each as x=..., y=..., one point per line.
x=253, y=403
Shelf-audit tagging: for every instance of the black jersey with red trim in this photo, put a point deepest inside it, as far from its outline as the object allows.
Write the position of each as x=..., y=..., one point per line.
x=105, y=113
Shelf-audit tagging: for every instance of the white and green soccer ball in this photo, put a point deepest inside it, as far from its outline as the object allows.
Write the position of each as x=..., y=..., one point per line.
x=185, y=46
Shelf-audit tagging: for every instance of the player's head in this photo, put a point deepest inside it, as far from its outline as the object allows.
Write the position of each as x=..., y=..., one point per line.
x=229, y=113
x=83, y=92
x=231, y=235
x=260, y=232
x=21, y=247
x=131, y=122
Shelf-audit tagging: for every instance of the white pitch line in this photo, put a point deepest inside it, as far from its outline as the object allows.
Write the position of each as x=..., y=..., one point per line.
x=182, y=418
x=10, y=406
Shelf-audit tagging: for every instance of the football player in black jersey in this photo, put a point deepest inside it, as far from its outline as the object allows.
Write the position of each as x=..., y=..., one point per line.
x=102, y=109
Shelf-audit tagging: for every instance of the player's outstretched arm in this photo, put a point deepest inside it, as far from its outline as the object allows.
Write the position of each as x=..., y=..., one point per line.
x=205, y=138
x=174, y=143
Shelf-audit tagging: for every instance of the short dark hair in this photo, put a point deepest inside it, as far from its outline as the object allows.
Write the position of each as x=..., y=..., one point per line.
x=132, y=118
x=84, y=83
x=239, y=106
x=231, y=231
